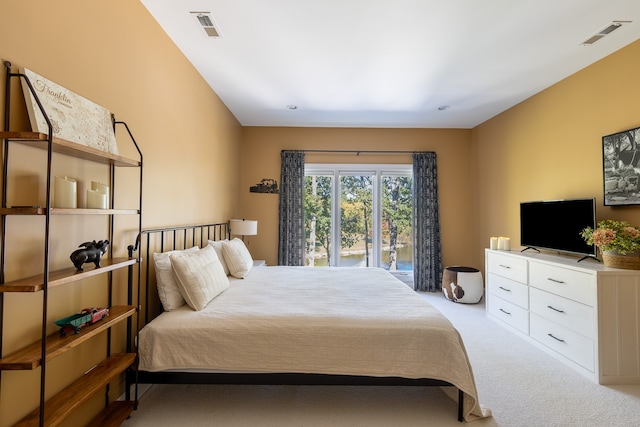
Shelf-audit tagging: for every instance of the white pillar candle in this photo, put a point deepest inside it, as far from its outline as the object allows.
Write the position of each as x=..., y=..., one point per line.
x=506, y=244
x=96, y=200
x=65, y=192
x=493, y=243
x=101, y=188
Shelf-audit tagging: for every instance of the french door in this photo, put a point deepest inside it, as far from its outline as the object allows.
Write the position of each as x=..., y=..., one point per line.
x=358, y=215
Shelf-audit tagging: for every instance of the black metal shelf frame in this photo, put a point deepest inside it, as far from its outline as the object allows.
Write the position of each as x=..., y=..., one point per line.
x=9, y=77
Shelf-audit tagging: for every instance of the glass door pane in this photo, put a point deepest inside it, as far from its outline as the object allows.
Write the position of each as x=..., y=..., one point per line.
x=356, y=221
x=359, y=215
x=397, y=235
x=318, y=190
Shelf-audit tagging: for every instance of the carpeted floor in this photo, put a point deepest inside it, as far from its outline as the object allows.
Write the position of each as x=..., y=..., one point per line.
x=521, y=385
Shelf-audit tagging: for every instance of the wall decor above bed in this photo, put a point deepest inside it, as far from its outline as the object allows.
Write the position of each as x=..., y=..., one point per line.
x=266, y=185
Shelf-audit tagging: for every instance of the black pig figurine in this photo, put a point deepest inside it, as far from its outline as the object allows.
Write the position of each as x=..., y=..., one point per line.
x=92, y=252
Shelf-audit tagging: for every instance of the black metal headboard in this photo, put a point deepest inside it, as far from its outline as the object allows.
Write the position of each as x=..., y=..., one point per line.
x=168, y=239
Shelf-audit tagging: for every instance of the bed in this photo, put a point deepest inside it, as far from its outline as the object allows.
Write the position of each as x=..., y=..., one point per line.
x=301, y=325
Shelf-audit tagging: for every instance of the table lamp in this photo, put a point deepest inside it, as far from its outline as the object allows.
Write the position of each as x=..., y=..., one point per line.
x=243, y=227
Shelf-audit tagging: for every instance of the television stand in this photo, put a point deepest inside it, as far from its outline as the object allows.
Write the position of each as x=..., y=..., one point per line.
x=600, y=340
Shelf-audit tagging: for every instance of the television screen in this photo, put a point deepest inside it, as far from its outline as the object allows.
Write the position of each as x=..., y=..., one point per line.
x=556, y=225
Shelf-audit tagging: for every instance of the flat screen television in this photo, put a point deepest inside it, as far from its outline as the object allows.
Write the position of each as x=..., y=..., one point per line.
x=556, y=225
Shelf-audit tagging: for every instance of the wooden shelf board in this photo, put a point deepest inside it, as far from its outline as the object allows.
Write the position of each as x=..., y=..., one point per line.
x=114, y=414
x=61, y=405
x=39, y=140
x=65, y=211
x=29, y=357
x=22, y=211
x=60, y=211
x=68, y=275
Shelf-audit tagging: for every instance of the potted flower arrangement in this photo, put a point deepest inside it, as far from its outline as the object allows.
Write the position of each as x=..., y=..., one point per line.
x=618, y=241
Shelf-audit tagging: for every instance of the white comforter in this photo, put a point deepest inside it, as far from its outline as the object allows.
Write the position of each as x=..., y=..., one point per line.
x=350, y=321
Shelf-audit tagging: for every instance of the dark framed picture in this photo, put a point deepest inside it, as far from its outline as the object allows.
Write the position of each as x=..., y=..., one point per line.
x=621, y=168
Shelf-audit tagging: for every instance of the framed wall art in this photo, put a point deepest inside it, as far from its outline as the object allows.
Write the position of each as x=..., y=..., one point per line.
x=621, y=168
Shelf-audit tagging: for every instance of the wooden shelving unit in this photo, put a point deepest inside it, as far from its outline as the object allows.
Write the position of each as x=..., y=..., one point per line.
x=54, y=409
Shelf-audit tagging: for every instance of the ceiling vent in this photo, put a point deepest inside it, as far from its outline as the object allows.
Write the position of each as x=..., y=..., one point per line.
x=206, y=22
x=605, y=32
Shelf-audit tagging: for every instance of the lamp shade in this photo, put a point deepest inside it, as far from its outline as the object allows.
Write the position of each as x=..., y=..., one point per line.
x=243, y=227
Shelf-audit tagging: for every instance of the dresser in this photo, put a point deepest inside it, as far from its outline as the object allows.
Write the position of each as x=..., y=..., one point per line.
x=582, y=313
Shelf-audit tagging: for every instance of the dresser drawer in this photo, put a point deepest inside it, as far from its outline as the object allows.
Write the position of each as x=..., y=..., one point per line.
x=565, y=282
x=564, y=341
x=570, y=314
x=509, y=290
x=509, y=313
x=506, y=266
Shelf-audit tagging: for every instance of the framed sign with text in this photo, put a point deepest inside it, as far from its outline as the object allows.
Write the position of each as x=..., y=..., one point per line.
x=73, y=117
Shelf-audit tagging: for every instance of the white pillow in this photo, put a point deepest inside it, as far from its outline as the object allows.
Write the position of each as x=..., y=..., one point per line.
x=200, y=276
x=217, y=245
x=237, y=257
x=168, y=291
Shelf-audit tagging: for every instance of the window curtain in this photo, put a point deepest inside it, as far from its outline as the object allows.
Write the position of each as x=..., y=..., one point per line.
x=427, y=247
x=291, y=227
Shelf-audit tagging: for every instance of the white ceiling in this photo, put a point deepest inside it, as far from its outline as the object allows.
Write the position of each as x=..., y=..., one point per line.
x=389, y=63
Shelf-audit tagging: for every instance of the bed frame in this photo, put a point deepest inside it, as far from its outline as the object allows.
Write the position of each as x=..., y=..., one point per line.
x=183, y=237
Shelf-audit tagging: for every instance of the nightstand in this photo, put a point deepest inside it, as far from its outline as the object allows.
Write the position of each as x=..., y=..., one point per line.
x=259, y=263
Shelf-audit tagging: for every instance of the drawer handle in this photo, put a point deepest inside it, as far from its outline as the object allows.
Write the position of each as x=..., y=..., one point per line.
x=505, y=289
x=555, y=280
x=555, y=338
x=504, y=266
x=505, y=312
x=555, y=309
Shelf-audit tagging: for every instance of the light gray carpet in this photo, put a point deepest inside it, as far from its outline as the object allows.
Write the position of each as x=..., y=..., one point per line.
x=521, y=385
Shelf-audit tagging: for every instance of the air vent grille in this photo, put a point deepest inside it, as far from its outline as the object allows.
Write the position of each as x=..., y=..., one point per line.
x=593, y=39
x=211, y=31
x=604, y=32
x=207, y=23
x=610, y=28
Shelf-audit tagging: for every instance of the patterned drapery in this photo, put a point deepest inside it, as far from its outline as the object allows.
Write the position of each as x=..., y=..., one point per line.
x=427, y=247
x=291, y=229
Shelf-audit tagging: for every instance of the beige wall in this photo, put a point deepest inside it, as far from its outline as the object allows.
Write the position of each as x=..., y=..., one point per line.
x=550, y=146
x=116, y=55
x=261, y=149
